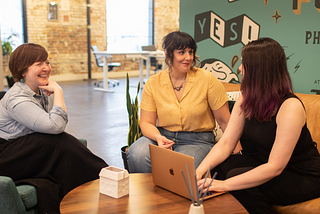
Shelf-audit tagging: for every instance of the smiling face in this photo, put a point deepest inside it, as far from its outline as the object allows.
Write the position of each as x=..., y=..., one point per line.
x=182, y=59
x=25, y=60
x=175, y=42
x=37, y=75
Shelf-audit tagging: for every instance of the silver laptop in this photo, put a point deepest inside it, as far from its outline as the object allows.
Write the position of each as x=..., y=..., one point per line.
x=166, y=171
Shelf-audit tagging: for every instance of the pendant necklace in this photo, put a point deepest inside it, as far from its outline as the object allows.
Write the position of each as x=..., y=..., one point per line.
x=178, y=88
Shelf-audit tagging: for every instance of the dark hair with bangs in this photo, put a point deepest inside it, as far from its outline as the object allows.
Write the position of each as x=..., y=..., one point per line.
x=178, y=40
x=266, y=79
x=23, y=57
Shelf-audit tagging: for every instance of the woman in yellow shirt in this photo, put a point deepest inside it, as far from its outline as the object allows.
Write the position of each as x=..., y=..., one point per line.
x=179, y=106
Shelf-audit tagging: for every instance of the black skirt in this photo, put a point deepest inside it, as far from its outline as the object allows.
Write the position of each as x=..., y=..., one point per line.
x=54, y=164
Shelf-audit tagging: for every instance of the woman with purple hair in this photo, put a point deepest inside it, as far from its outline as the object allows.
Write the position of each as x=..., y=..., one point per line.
x=284, y=169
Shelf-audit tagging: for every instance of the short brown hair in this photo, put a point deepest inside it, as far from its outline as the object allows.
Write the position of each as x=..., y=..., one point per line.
x=23, y=57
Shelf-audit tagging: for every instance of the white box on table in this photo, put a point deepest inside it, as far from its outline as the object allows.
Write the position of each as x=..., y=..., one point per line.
x=114, y=181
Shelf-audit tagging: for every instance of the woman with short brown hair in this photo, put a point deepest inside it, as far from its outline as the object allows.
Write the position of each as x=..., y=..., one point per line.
x=34, y=148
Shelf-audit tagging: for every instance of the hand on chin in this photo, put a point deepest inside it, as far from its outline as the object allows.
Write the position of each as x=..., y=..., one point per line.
x=44, y=83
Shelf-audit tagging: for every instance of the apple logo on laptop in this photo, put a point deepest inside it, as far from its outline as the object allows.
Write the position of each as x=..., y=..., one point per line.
x=171, y=171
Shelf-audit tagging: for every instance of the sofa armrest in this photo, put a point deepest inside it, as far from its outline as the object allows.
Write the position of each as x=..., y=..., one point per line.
x=83, y=141
x=10, y=200
x=312, y=106
x=229, y=87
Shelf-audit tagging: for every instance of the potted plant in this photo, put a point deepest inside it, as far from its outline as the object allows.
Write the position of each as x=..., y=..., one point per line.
x=134, y=127
x=7, y=45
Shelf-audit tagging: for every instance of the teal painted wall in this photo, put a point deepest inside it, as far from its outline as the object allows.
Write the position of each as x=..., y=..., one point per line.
x=222, y=27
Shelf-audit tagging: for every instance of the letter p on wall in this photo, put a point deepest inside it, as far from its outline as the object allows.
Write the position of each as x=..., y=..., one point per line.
x=225, y=33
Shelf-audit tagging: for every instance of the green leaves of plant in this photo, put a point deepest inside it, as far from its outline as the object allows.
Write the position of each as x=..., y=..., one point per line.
x=133, y=113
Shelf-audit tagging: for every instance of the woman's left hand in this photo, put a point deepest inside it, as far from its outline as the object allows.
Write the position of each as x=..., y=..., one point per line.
x=51, y=87
x=216, y=185
x=48, y=93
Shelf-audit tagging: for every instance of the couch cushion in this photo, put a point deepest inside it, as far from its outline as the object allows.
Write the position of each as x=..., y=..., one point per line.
x=312, y=106
x=231, y=86
x=28, y=195
x=311, y=206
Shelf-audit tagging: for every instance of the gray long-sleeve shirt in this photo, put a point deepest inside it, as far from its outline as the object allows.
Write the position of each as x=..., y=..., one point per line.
x=23, y=112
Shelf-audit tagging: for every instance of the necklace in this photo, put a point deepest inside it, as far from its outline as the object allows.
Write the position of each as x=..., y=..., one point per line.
x=178, y=88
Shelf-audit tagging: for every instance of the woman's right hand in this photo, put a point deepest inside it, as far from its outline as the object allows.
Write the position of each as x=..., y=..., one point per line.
x=164, y=142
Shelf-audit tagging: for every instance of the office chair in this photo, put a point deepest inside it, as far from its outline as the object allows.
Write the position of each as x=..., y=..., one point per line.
x=153, y=60
x=2, y=93
x=110, y=66
x=10, y=80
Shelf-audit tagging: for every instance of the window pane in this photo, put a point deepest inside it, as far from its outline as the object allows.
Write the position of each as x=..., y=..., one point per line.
x=11, y=21
x=128, y=25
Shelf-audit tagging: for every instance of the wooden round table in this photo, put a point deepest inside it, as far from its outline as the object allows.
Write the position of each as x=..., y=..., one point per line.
x=144, y=197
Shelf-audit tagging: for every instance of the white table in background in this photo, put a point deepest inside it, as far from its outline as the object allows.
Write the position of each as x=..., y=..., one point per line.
x=141, y=55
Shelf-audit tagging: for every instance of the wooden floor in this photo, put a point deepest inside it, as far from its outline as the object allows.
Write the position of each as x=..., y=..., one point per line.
x=99, y=117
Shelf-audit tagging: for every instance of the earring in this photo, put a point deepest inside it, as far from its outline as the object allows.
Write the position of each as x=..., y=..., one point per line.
x=22, y=80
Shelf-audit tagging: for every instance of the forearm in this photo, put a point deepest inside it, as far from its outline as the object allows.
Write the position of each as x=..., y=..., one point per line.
x=54, y=88
x=150, y=131
x=216, y=156
x=238, y=147
x=252, y=178
x=53, y=123
x=59, y=99
x=38, y=119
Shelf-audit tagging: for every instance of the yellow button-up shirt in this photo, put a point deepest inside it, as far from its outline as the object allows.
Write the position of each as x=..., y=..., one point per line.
x=202, y=94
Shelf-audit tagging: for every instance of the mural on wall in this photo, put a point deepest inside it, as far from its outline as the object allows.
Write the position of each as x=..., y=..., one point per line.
x=222, y=71
x=225, y=33
x=240, y=29
x=221, y=28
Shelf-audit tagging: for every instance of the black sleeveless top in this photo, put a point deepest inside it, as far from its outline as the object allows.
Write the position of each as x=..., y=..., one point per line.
x=305, y=158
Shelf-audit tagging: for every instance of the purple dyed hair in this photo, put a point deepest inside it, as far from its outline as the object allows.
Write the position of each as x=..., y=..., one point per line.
x=266, y=78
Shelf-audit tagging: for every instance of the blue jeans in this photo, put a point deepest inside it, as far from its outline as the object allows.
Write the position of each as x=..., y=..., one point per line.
x=195, y=144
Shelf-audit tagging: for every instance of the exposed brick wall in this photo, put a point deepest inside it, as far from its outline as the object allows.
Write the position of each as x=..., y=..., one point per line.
x=66, y=39
x=166, y=19
x=66, y=43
